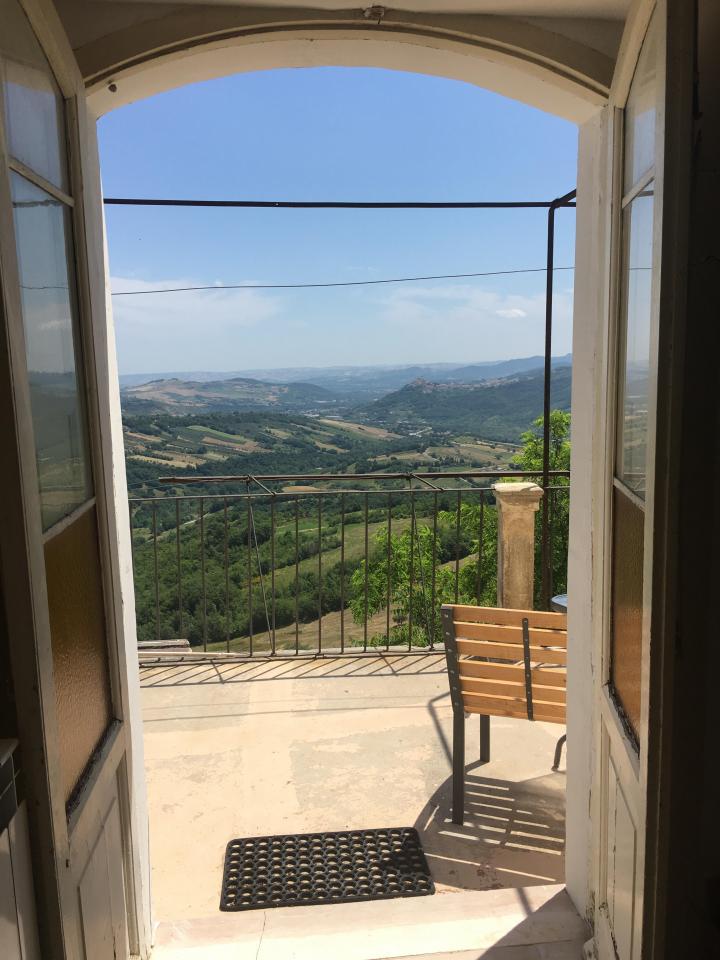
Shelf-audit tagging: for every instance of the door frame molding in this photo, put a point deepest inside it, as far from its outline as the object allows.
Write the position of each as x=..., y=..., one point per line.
x=673, y=167
x=118, y=767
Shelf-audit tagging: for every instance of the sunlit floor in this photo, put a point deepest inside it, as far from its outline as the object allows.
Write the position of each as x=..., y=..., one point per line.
x=244, y=749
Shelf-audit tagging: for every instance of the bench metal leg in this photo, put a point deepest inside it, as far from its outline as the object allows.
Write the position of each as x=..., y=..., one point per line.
x=558, y=751
x=484, y=738
x=458, y=798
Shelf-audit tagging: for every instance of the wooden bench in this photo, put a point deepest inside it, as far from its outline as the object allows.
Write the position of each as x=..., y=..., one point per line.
x=502, y=663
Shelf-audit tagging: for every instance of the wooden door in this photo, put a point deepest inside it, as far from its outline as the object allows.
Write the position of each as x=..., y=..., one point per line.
x=622, y=687
x=57, y=549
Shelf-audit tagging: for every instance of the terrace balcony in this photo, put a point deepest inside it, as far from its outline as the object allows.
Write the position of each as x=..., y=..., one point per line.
x=340, y=722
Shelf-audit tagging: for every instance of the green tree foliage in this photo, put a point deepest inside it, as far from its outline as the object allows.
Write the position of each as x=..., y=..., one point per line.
x=214, y=587
x=557, y=498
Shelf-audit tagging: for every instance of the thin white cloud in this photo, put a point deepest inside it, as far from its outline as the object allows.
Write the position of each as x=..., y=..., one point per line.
x=209, y=326
x=490, y=324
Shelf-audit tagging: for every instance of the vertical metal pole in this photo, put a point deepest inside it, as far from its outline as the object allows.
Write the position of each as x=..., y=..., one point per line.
x=547, y=383
x=546, y=587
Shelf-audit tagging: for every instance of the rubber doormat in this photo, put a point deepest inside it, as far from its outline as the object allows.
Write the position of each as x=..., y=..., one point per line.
x=315, y=868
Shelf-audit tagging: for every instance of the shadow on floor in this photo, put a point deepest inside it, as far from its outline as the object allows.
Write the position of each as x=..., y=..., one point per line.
x=195, y=672
x=513, y=835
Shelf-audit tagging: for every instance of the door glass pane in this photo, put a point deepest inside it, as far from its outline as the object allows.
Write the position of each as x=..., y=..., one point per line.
x=33, y=105
x=80, y=658
x=42, y=230
x=635, y=342
x=627, y=606
x=640, y=112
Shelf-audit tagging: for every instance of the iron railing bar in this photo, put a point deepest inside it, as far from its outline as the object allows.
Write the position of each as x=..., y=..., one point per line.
x=178, y=560
x=261, y=484
x=481, y=548
x=272, y=572
x=319, y=575
x=251, y=614
x=202, y=571
x=227, y=582
x=422, y=570
x=365, y=585
x=432, y=486
x=551, y=534
x=261, y=575
x=342, y=572
x=457, y=547
x=297, y=576
x=411, y=570
x=157, y=578
x=433, y=589
x=262, y=479
x=389, y=573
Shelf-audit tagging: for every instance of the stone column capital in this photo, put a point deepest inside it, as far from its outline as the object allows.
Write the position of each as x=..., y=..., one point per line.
x=524, y=494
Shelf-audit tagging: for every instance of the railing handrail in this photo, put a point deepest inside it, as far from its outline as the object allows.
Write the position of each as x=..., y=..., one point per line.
x=262, y=479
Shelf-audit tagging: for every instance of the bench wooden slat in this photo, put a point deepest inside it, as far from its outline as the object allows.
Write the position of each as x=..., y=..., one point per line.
x=506, y=707
x=503, y=688
x=509, y=634
x=510, y=651
x=505, y=616
x=547, y=676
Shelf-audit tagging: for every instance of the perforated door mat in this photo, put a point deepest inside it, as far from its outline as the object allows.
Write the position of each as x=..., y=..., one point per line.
x=309, y=868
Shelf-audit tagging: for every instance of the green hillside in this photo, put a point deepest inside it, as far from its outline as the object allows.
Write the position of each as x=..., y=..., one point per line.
x=492, y=409
x=238, y=393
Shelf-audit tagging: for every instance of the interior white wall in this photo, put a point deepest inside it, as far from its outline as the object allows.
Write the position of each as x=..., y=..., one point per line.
x=514, y=79
x=589, y=320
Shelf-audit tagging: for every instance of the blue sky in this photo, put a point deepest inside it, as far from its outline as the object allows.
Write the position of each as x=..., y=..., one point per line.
x=333, y=134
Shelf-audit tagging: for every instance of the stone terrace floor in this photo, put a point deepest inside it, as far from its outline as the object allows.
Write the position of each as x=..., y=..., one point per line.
x=239, y=749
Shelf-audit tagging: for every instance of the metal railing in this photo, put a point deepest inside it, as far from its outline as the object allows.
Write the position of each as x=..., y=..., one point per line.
x=312, y=565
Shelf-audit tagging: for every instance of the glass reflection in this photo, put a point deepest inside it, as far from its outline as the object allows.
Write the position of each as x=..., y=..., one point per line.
x=637, y=314
x=34, y=112
x=42, y=232
x=640, y=112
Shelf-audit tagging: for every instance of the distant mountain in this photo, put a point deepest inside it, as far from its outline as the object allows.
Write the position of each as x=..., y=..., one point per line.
x=497, y=409
x=182, y=397
x=502, y=368
x=362, y=384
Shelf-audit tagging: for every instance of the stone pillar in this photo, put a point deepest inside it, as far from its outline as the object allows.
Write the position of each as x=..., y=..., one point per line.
x=517, y=504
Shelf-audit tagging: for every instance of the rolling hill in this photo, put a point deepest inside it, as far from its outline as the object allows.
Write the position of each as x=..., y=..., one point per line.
x=181, y=397
x=499, y=409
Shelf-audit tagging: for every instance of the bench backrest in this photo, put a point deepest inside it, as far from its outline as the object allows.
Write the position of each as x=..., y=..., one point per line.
x=506, y=663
